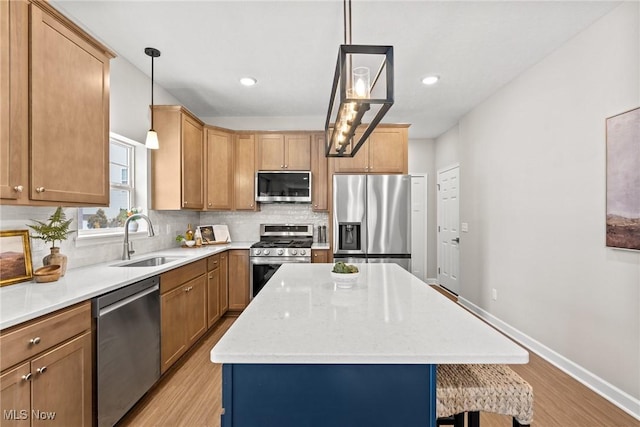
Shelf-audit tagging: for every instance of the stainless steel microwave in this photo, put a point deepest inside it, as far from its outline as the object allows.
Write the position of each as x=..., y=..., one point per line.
x=283, y=186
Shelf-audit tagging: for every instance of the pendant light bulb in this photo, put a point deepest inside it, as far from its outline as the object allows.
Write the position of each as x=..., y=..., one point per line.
x=152, y=142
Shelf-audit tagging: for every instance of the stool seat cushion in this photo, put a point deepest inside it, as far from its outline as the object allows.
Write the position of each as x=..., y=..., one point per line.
x=488, y=388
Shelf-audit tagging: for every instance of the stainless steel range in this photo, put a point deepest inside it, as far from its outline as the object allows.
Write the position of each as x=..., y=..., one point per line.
x=279, y=244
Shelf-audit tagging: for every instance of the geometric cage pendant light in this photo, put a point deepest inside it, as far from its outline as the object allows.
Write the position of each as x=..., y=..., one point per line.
x=358, y=102
x=152, y=136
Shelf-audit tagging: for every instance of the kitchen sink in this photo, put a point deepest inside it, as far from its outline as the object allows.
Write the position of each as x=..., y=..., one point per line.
x=150, y=262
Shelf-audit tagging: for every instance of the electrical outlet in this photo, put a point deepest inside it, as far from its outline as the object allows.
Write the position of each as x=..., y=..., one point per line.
x=464, y=227
x=494, y=294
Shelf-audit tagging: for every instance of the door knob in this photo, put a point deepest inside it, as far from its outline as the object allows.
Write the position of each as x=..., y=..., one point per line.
x=457, y=240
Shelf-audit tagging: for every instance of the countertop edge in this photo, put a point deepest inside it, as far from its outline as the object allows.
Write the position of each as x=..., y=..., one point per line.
x=80, y=294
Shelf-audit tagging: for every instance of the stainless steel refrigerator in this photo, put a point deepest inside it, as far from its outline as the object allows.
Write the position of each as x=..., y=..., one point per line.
x=372, y=219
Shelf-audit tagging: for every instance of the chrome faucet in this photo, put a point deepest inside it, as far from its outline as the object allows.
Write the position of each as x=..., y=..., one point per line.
x=127, y=250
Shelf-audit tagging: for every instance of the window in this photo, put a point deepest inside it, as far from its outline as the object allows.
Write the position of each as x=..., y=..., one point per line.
x=109, y=220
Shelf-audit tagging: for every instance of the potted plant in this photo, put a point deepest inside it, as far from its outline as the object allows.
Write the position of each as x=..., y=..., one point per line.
x=55, y=230
x=133, y=224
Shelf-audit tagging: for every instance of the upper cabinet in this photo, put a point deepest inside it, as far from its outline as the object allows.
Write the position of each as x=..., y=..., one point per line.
x=219, y=169
x=284, y=152
x=177, y=168
x=244, y=154
x=319, y=174
x=56, y=116
x=385, y=151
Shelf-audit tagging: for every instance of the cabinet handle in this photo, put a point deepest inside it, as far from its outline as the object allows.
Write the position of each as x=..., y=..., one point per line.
x=210, y=203
x=27, y=377
x=40, y=190
x=41, y=370
x=281, y=166
x=34, y=341
x=286, y=166
x=18, y=188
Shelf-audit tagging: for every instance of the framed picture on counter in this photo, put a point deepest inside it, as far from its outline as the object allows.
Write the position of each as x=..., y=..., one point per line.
x=15, y=257
x=207, y=234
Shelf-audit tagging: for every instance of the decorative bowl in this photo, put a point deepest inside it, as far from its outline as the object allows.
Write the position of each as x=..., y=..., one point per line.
x=345, y=280
x=189, y=243
x=48, y=273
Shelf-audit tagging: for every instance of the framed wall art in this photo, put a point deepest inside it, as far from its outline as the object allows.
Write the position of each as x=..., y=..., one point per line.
x=207, y=234
x=623, y=180
x=15, y=257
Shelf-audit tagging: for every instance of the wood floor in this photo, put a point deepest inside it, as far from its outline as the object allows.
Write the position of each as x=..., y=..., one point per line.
x=190, y=396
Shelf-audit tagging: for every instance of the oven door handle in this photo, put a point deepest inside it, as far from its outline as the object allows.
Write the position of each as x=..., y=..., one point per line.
x=278, y=260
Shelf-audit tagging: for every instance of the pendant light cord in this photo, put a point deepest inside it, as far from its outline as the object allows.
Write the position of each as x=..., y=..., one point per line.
x=152, y=61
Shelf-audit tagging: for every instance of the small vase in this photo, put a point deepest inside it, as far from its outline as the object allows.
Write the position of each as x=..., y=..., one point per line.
x=133, y=226
x=56, y=258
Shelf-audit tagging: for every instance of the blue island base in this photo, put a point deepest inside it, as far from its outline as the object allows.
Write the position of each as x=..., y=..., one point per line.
x=266, y=395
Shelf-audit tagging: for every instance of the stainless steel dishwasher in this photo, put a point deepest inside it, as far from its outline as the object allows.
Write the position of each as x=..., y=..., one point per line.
x=127, y=347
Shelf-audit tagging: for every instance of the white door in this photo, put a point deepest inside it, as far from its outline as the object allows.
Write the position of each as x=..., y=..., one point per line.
x=448, y=228
x=419, y=226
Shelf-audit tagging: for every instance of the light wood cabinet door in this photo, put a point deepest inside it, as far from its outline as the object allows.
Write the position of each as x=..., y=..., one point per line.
x=224, y=283
x=69, y=158
x=297, y=152
x=14, y=100
x=244, y=180
x=192, y=163
x=67, y=370
x=284, y=152
x=270, y=152
x=320, y=255
x=177, y=167
x=219, y=170
x=357, y=164
x=15, y=396
x=388, y=151
x=238, y=279
x=319, y=174
x=196, y=305
x=173, y=332
x=213, y=297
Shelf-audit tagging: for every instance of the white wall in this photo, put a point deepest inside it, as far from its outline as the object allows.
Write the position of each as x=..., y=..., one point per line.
x=447, y=151
x=532, y=163
x=422, y=155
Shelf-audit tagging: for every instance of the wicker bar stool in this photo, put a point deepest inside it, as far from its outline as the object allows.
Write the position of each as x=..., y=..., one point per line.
x=475, y=388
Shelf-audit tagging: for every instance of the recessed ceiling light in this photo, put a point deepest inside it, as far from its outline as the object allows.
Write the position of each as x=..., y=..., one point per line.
x=248, y=81
x=430, y=80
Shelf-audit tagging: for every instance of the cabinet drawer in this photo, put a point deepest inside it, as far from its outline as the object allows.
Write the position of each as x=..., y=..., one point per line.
x=213, y=262
x=176, y=277
x=24, y=341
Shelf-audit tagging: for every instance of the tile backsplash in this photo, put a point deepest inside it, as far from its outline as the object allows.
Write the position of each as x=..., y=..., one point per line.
x=243, y=227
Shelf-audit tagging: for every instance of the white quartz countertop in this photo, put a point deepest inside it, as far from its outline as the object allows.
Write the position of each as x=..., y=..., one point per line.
x=25, y=301
x=388, y=317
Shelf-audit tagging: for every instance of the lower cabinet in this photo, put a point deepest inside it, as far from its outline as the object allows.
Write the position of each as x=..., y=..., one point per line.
x=238, y=279
x=320, y=255
x=213, y=290
x=52, y=383
x=224, y=283
x=183, y=307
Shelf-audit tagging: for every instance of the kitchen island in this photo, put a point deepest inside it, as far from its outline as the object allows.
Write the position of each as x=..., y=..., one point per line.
x=308, y=353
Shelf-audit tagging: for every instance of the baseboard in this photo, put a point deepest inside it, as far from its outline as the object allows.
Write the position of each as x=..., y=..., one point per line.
x=618, y=397
x=432, y=281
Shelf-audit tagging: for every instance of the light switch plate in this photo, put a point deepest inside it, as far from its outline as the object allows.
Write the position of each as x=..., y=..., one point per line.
x=464, y=227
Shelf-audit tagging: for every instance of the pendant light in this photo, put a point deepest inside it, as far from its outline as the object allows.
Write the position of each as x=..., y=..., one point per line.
x=152, y=136
x=362, y=102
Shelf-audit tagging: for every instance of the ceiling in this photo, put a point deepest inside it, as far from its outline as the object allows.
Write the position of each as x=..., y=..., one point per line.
x=291, y=48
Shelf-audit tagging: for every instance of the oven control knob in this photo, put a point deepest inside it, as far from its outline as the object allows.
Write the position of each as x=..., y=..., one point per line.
x=303, y=252
x=257, y=251
x=294, y=252
x=280, y=251
x=266, y=251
